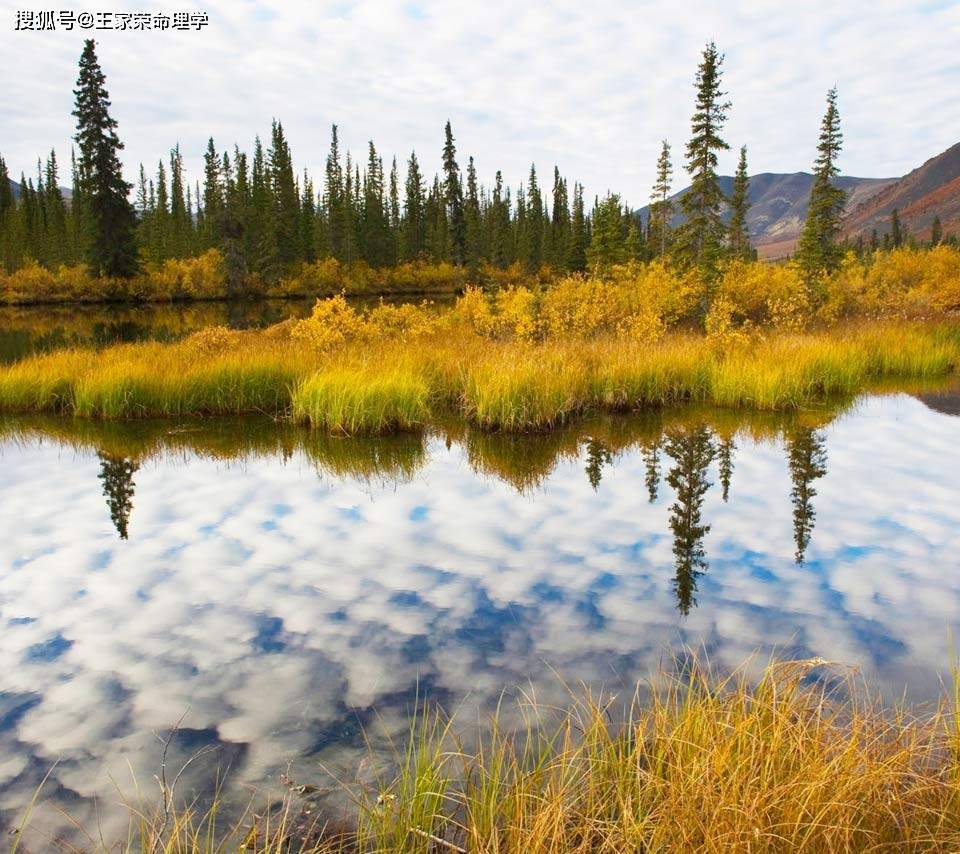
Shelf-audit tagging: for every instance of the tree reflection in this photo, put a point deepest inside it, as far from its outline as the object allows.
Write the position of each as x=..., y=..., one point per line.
x=651, y=461
x=598, y=456
x=118, y=486
x=807, y=458
x=725, y=456
x=692, y=452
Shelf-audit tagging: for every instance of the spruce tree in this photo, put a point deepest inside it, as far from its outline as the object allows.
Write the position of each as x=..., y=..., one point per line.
x=333, y=198
x=608, y=244
x=661, y=207
x=535, y=223
x=560, y=231
x=699, y=241
x=393, y=218
x=374, y=226
x=739, y=232
x=936, y=231
x=112, y=248
x=286, y=199
x=818, y=251
x=453, y=197
x=472, y=218
x=161, y=218
x=212, y=198
x=499, y=224
x=180, y=223
x=577, y=255
x=56, y=215
x=6, y=192
x=413, y=229
x=896, y=229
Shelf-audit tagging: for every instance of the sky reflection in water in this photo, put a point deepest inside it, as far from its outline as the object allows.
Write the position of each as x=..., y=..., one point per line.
x=290, y=589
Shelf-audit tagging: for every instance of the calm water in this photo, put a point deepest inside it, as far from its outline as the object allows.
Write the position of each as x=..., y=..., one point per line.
x=26, y=330
x=283, y=591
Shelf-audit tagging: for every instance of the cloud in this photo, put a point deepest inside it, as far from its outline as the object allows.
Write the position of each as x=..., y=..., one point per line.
x=591, y=88
x=283, y=639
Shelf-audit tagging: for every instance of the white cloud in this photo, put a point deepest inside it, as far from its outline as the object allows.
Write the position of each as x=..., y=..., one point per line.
x=592, y=88
x=278, y=637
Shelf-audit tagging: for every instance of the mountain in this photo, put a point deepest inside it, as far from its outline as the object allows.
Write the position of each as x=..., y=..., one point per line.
x=778, y=206
x=15, y=187
x=930, y=190
x=778, y=203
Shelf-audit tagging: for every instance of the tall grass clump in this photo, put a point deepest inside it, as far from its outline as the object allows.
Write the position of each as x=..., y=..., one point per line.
x=351, y=400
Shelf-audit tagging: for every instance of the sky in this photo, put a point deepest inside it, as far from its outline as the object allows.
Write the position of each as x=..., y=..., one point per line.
x=590, y=87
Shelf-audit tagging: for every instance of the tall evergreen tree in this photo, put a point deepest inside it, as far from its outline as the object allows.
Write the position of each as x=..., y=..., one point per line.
x=413, y=229
x=393, y=216
x=212, y=198
x=936, y=231
x=472, y=218
x=608, y=244
x=112, y=248
x=499, y=224
x=453, y=197
x=739, y=232
x=333, y=198
x=896, y=229
x=534, y=223
x=661, y=207
x=560, y=223
x=286, y=199
x=700, y=240
x=577, y=255
x=818, y=251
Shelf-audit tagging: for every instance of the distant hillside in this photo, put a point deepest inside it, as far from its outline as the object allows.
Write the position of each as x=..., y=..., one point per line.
x=778, y=205
x=930, y=190
x=15, y=187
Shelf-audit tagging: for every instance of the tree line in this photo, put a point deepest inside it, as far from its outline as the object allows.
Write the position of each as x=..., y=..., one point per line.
x=267, y=219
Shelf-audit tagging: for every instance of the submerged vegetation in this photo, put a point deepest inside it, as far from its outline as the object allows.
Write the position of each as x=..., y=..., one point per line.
x=530, y=358
x=795, y=758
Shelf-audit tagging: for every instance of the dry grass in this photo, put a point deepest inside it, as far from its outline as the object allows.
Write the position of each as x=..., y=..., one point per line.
x=691, y=762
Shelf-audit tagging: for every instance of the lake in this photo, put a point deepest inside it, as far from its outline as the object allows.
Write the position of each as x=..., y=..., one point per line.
x=36, y=329
x=283, y=593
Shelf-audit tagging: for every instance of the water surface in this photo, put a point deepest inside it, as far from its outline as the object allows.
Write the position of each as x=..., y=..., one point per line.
x=283, y=591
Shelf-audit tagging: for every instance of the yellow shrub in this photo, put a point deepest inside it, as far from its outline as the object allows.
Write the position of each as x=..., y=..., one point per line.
x=722, y=329
x=212, y=340
x=332, y=322
x=474, y=309
x=405, y=321
x=765, y=292
x=183, y=278
x=517, y=313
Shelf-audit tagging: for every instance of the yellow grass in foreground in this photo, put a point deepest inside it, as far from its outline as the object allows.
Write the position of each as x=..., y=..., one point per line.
x=696, y=764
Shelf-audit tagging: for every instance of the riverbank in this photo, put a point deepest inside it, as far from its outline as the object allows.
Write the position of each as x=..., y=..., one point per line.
x=796, y=757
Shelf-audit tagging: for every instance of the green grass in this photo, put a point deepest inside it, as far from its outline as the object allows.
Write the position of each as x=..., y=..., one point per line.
x=385, y=384
x=363, y=400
